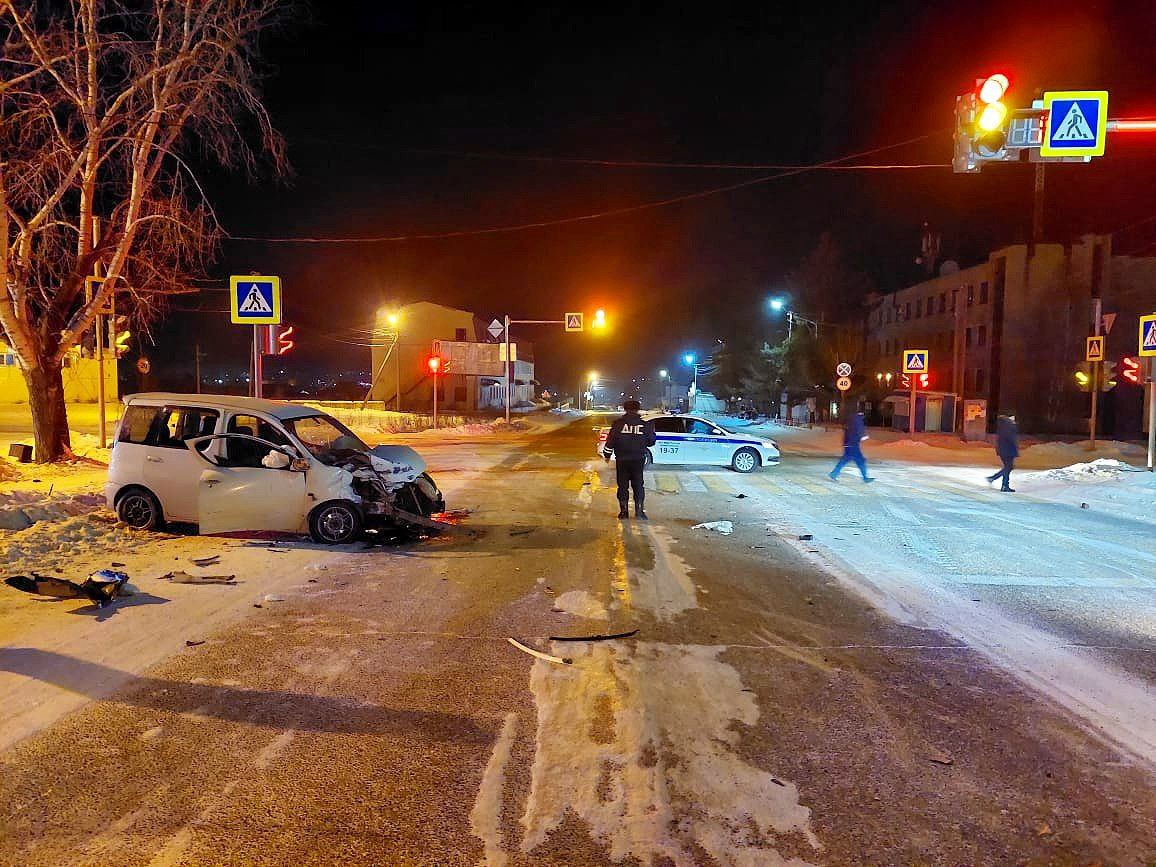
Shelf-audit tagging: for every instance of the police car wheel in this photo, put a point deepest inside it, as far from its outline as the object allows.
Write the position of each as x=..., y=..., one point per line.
x=648, y=459
x=745, y=461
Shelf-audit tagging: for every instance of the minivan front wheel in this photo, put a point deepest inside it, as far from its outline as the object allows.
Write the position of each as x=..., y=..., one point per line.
x=139, y=509
x=337, y=522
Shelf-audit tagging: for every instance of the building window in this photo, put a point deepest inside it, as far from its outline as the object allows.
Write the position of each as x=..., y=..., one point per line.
x=981, y=336
x=930, y=304
x=918, y=308
x=979, y=378
x=459, y=394
x=942, y=302
x=967, y=337
x=970, y=295
x=460, y=335
x=888, y=315
x=907, y=310
x=966, y=380
x=983, y=292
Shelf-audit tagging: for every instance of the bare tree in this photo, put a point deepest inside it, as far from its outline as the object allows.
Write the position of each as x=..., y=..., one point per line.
x=101, y=104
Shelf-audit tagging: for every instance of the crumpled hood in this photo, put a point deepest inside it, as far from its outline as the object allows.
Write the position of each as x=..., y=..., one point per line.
x=398, y=464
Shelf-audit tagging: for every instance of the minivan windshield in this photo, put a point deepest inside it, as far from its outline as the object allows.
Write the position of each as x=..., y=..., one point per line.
x=324, y=435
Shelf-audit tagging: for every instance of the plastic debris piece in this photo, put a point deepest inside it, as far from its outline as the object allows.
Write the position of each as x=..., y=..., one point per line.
x=189, y=643
x=805, y=537
x=940, y=757
x=539, y=654
x=206, y=561
x=273, y=597
x=608, y=637
x=724, y=527
x=740, y=496
x=186, y=578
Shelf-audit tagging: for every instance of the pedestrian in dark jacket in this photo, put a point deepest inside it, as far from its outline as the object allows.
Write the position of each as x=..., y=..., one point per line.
x=854, y=432
x=629, y=438
x=1007, y=446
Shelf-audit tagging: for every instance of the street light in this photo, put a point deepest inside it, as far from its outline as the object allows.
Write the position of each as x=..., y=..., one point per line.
x=663, y=374
x=776, y=304
x=591, y=382
x=690, y=360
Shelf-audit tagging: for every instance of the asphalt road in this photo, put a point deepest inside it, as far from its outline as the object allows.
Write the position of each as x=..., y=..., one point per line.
x=762, y=712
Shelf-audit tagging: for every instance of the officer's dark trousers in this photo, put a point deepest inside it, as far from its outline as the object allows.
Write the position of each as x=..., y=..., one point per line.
x=1005, y=471
x=630, y=476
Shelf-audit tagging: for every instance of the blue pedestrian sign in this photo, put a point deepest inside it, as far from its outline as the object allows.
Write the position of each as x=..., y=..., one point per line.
x=1148, y=335
x=255, y=300
x=915, y=360
x=1076, y=124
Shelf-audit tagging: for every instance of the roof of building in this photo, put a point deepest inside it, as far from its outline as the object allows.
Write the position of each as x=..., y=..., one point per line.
x=277, y=408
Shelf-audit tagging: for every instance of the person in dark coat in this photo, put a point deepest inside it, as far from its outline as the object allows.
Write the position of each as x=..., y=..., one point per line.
x=629, y=438
x=854, y=432
x=1007, y=446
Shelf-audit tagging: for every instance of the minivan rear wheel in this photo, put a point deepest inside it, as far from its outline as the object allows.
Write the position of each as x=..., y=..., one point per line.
x=337, y=522
x=139, y=509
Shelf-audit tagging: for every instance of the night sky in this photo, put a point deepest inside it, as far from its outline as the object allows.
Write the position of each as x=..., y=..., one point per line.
x=382, y=105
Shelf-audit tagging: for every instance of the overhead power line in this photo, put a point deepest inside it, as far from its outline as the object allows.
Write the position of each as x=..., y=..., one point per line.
x=583, y=218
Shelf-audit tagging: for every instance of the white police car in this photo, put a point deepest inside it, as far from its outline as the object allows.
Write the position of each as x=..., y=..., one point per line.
x=689, y=439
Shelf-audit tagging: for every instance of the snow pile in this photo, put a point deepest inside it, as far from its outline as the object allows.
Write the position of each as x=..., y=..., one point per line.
x=22, y=509
x=1063, y=454
x=48, y=544
x=1101, y=469
x=581, y=604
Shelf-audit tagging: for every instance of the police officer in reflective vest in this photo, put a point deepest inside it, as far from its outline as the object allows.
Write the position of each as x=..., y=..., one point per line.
x=630, y=436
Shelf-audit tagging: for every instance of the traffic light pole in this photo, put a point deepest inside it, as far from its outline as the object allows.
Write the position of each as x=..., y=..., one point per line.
x=1097, y=307
x=911, y=407
x=1151, y=413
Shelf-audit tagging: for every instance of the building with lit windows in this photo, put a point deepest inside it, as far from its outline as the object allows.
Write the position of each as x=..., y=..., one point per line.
x=1008, y=334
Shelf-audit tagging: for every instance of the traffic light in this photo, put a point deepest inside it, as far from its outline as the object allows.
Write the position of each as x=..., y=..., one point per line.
x=120, y=346
x=284, y=341
x=1131, y=369
x=1083, y=376
x=925, y=380
x=1107, y=375
x=981, y=124
x=434, y=362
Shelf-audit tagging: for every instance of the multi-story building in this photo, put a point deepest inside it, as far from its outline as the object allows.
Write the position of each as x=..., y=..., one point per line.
x=1008, y=334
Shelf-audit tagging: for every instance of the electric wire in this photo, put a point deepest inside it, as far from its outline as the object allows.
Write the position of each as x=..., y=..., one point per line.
x=580, y=218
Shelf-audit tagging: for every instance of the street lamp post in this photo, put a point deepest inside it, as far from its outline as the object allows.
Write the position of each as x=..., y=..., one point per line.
x=691, y=360
x=778, y=305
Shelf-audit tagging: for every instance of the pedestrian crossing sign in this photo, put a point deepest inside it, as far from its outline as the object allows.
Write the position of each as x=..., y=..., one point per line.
x=574, y=321
x=1076, y=123
x=1148, y=335
x=255, y=300
x=915, y=360
x=1095, y=349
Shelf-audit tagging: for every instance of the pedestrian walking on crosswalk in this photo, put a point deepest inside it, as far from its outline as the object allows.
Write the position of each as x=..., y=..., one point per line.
x=1007, y=446
x=854, y=432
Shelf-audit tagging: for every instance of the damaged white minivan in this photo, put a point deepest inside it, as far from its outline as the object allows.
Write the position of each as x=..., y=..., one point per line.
x=237, y=464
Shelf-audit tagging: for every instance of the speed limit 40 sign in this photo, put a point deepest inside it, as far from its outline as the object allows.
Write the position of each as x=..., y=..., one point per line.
x=843, y=383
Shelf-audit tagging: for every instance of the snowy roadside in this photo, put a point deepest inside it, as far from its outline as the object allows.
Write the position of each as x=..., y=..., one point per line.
x=62, y=529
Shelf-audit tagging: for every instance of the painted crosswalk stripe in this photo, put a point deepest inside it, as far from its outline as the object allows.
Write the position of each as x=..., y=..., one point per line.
x=667, y=482
x=716, y=482
x=691, y=483
x=648, y=481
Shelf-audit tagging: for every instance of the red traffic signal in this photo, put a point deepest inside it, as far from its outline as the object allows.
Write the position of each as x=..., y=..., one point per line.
x=1130, y=367
x=434, y=362
x=284, y=343
x=925, y=380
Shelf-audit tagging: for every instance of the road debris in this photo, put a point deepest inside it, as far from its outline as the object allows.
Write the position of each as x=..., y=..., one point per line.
x=724, y=527
x=607, y=637
x=273, y=597
x=805, y=537
x=185, y=578
x=101, y=587
x=940, y=757
x=191, y=643
x=206, y=561
x=740, y=496
x=539, y=654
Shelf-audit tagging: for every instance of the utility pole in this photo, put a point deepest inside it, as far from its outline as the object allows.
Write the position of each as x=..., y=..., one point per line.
x=507, y=368
x=197, y=365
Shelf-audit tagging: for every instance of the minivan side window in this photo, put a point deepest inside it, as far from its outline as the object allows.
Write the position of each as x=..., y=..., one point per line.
x=136, y=424
x=166, y=426
x=246, y=453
